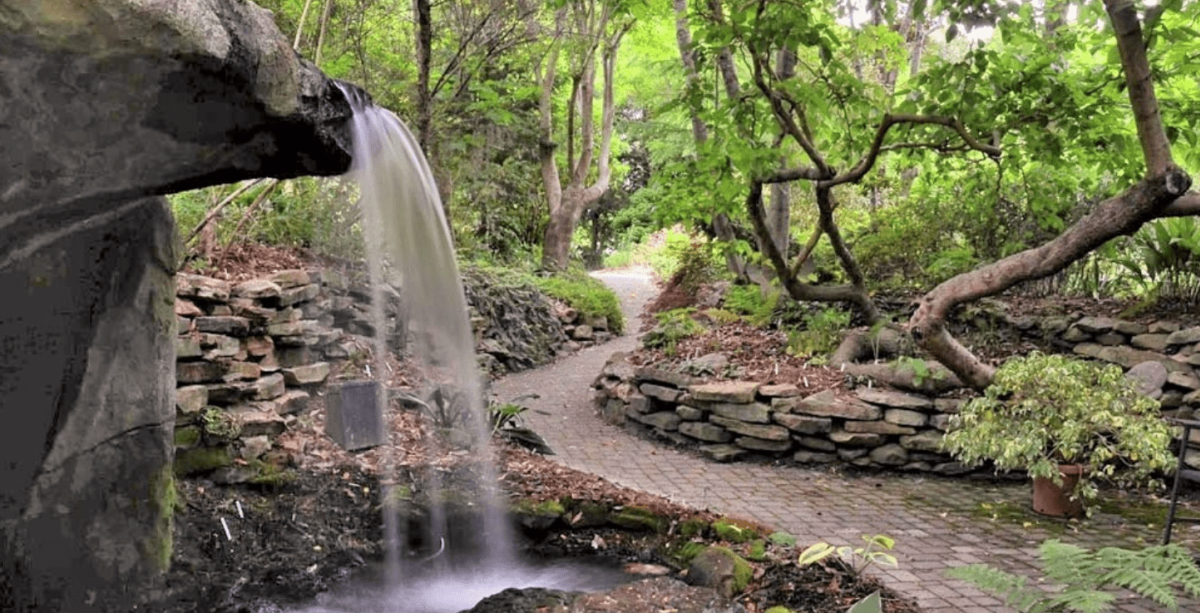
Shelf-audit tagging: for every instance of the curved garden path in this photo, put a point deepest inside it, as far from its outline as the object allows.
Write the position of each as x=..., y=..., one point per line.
x=937, y=523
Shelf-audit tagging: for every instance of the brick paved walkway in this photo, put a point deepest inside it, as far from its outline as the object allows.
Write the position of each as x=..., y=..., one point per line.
x=937, y=523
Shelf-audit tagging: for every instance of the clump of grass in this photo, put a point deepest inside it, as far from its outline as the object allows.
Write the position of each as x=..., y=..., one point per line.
x=585, y=294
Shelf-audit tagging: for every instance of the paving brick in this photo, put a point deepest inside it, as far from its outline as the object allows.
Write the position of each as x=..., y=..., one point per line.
x=936, y=521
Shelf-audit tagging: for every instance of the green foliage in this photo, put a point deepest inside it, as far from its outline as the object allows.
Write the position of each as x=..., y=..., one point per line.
x=1163, y=258
x=873, y=551
x=673, y=326
x=821, y=332
x=748, y=300
x=591, y=297
x=733, y=531
x=870, y=604
x=783, y=539
x=1084, y=578
x=697, y=266
x=220, y=424
x=505, y=421
x=1045, y=410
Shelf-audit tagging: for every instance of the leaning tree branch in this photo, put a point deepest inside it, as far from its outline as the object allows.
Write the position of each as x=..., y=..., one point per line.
x=1122, y=214
x=785, y=118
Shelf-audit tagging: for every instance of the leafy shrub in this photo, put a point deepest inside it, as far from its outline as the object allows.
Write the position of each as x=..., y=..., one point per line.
x=821, y=332
x=1045, y=410
x=673, y=326
x=749, y=301
x=585, y=294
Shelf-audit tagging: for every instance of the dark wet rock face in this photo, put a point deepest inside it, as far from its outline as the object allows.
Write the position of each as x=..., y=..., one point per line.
x=108, y=104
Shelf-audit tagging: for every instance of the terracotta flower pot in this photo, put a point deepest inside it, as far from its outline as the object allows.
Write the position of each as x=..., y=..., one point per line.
x=1054, y=500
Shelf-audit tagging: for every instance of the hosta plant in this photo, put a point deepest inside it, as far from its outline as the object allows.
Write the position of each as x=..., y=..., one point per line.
x=1042, y=411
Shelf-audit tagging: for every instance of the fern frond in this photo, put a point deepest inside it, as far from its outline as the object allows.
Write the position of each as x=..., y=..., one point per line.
x=1011, y=588
x=1083, y=601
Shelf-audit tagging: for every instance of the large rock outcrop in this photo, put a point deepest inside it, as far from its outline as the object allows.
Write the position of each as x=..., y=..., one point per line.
x=106, y=105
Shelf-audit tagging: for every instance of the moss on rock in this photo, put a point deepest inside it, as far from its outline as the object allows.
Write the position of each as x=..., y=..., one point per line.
x=734, y=531
x=638, y=518
x=201, y=459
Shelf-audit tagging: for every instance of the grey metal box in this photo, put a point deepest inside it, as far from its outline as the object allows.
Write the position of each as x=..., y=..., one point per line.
x=354, y=415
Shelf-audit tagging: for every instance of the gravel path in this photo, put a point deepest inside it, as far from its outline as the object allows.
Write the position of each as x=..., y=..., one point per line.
x=937, y=523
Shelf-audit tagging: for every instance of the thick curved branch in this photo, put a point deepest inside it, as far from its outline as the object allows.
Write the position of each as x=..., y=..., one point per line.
x=868, y=160
x=796, y=289
x=1122, y=214
x=785, y=118
x=793, y=174
x=1155, y=147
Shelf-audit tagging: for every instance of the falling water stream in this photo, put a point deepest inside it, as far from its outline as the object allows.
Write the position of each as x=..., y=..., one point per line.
x=408, y=241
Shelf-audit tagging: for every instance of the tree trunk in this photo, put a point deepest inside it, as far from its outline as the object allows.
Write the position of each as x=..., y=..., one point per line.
x=568, y=203
x=1123, y=214
x=779, y=211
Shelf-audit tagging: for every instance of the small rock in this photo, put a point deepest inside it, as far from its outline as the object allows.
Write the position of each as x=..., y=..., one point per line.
x=888, y=398
x=803, y=424
x=904, y=417
x=739, y=392
x=296, y=295
x=813, y=457
x=203, y=288
x=820, y=444
x=721, y=569
x=1075, y=335
x=307, y=375
x=661, y=392
x=228, y=325
x=929, y=441
x=254, y=446
x=849, y=455
x=1130, y=328
x=722, y=452
x=1111, y=339
x=1185, y=380
x=1187, y=336
x=856, y=439
x=257, y=289
x=889, y=455
x=1153, y=342
x=666, y=421
x=190, y=399
x=784, y=390
x=878, y=427
x=187, y=347
x=291, y=278
x=687, y=413
x=755, y=413
x=1163, y=327
x=1096, y=325
x=826, y=404
x=187, y=308
x=758, y=444
x=767, y=432
x=241, y=371
x=198, y=372
x=1150, y=377
x=269, y=387
x=705, y=431
x=583, y=333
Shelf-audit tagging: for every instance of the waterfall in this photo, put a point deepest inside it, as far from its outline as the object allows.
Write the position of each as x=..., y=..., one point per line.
x=408, y=239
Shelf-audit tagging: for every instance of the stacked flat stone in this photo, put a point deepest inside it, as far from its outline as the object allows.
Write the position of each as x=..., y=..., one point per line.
x=727, y=420
x=255, y=351
x=884, y=427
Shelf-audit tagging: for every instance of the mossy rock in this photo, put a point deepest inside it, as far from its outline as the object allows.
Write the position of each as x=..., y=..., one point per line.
x=757, y=550
x=538, y=516
x=590, y=515
x=721, y=569
x=681, y=553
x=201, y=459
x=693, y=528
x=734, y=531
x=270, y=475
x=187, y=437
x=637, y=518
x=779, y=609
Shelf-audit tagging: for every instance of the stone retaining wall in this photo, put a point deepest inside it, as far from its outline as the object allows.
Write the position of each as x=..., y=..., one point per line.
x=251, y=356
x=873, y=426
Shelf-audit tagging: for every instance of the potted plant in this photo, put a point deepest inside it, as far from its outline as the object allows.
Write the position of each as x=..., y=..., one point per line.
x=1067, y=422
